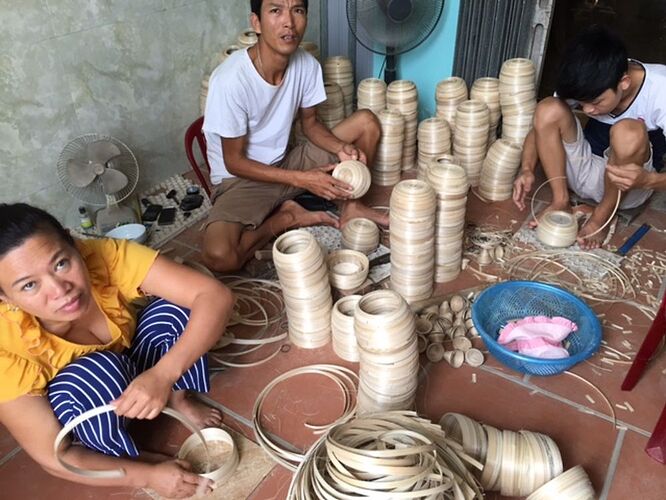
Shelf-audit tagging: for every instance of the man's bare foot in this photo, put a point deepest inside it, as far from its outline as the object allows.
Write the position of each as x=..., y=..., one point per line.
x=565, y=207
x=200, y=414
x=291, y=215
x=354, y=208
x=587, y=242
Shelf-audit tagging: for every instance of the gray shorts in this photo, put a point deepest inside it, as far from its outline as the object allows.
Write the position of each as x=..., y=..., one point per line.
x=586, y=172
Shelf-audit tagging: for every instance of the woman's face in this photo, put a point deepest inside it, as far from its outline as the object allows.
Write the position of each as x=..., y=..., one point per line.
x=45, y=277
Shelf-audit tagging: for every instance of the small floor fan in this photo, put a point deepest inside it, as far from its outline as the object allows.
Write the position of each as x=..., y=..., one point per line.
x=392, y=27
x=102, y=171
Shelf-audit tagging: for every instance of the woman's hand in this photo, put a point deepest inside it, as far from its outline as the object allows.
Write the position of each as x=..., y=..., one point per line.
x=173, y=479
x=521, y=187
x=351, y=152
x=145, y=397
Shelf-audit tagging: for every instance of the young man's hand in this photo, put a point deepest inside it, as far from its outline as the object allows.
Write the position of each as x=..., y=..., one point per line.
x=628, y=177
x=319, y=181
x=521, y=186
x=351, y=152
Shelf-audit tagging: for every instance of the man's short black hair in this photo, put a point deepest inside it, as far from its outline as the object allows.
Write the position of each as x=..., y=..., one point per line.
x=594, y=62
x=255, y=6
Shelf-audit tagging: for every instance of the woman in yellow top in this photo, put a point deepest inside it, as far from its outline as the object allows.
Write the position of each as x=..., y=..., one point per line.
x=69, y=342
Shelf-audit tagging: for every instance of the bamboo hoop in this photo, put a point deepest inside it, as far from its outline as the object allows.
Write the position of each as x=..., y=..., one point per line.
x=108, y=474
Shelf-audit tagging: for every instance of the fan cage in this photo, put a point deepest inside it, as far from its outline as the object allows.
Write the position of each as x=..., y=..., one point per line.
x=373, y=28
x=94, y=194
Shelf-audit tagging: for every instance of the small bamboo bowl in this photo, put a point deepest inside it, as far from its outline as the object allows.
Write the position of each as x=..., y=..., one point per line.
x=347, y=269
x=356, y=174
x=222, y=466
x=557, y=229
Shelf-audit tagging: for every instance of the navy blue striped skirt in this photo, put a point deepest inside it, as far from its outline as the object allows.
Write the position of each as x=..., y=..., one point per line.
x=98, y=378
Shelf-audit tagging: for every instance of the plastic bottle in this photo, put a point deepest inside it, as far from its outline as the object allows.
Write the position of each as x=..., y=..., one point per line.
x=86, y=221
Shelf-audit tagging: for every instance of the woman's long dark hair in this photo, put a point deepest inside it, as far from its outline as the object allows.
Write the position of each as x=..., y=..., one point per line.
x=20, y=221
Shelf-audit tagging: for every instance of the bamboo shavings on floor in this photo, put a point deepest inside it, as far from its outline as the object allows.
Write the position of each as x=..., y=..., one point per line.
x=347, y=382
x=389, y=455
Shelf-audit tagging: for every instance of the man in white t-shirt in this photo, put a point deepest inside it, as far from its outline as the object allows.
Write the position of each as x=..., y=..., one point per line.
x=252, y=100
x=630, y=97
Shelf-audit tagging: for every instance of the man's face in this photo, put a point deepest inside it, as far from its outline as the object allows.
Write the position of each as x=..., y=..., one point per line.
x=608, y=101
x=282, y=24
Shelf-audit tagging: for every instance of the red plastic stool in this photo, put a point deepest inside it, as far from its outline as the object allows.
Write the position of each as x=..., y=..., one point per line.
x=656, y=446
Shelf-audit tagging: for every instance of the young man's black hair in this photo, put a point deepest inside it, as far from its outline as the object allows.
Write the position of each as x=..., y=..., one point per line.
x=255, y=6
x=594, y=62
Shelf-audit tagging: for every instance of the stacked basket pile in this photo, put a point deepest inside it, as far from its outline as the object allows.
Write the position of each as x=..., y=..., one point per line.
x=487, y=90
x=412, y=220
x=448, y=95
x=338, y=69
x=388, y=160
x=517, y=98
x=389, y=357
x=434, y=140
x=371, y=94
x=470, y=138
x=332, y=110
x=450, y=184
x=303, y=275
x=499, y=169
x=402, y=96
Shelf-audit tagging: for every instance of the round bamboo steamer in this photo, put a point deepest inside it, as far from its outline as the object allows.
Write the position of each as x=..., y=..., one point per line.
x=342, y=328
x=356, y=174
x=360, y=234
x=572, y=484
x=371, y=94
x=247, y=38
x=517, y=98
x=448, y=94
x=402, y=96
x=347, y=269
x=487, y=90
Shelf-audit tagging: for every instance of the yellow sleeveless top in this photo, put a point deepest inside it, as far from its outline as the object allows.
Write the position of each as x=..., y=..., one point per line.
x=30, y=356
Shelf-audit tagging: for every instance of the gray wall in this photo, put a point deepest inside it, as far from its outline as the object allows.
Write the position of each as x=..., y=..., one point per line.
x=127, y=68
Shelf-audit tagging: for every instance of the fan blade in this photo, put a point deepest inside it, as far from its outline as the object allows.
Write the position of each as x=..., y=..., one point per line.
x=101, y=151
x=113, y=181
x=80, y=173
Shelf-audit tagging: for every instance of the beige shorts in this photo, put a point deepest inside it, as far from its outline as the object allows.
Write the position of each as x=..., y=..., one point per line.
x=249, y=202
x=586, y=172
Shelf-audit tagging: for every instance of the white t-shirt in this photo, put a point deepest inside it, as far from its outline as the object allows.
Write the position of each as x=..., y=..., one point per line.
x=649, y=105
x=240, y=102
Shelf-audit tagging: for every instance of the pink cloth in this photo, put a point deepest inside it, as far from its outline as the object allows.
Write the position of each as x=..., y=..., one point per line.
x=538, y=336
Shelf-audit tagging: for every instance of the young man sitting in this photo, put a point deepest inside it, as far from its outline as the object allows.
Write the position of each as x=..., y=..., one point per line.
x=253, y=99
x=628, y=96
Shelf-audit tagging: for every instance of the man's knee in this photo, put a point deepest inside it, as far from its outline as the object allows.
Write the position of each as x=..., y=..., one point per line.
x=550, y=111
x=219, y=254
x=368, y=123
x=629, y=137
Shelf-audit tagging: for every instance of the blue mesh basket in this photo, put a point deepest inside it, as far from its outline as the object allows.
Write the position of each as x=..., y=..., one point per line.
x=512, y=300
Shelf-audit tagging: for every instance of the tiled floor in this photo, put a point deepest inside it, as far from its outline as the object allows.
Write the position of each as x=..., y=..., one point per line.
x=558, y=406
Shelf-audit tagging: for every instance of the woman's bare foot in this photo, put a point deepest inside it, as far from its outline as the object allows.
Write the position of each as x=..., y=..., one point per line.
x=354, y=208
x=565, y=207
x=291, y=215
x=200, y=414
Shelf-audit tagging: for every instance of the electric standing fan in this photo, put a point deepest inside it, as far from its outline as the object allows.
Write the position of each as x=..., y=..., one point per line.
x=100, y=170
x=392, y=27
